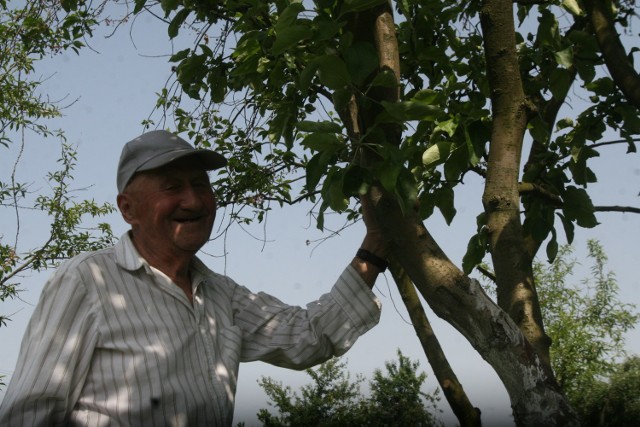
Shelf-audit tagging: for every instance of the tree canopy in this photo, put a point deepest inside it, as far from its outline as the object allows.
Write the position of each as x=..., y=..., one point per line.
x=333, y=399
x=587, y=324
x=27, y=34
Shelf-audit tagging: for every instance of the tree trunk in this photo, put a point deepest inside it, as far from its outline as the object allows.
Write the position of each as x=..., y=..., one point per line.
x=511, y=259
x=535, y=396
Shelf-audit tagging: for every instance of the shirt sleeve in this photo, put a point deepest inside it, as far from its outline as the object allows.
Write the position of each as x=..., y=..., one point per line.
x=54, y=356
x=296, y=337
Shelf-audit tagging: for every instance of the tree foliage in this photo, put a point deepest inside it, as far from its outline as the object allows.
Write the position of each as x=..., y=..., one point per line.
x=334, y=400
x=396, y=396
x=614, y=402
x=587, y=325
x=28, y=34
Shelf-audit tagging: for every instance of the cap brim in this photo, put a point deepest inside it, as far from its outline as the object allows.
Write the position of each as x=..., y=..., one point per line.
x=208, y=159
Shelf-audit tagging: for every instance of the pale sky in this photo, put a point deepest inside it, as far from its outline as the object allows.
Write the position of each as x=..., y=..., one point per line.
x=115, y=88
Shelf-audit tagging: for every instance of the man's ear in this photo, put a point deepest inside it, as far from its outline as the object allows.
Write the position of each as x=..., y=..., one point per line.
x=126, y=207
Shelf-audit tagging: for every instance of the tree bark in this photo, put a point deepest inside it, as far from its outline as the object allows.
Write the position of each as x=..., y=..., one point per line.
x=467, y=415
x=613, y=52
x=511, y=259
x=535, y=396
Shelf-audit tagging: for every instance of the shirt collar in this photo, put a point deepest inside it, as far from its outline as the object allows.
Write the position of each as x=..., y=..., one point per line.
x=128, y=257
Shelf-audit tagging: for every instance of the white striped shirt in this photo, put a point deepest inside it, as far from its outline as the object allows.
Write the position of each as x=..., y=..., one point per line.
x=114, y=342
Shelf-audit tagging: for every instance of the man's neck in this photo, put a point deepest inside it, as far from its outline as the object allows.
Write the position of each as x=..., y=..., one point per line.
x=175, y=265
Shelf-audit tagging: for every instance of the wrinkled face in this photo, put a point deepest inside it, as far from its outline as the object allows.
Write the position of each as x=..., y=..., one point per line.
x=171, y=209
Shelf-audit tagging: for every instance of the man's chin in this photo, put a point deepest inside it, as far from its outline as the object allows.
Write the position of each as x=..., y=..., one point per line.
x=192, y=245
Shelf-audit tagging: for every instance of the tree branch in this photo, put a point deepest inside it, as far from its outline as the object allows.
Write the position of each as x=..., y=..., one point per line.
x=528, y=187
x=623, y=209
x=613, y=52
x=453, y=390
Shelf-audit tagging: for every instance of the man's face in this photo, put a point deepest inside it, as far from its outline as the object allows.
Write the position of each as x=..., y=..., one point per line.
x=171, y=209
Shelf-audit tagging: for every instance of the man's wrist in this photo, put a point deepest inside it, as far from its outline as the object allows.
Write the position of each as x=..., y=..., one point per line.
x=373, y=259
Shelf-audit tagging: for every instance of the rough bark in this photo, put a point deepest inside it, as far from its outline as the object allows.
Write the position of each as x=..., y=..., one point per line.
x=535, y=396
x=377, y=27
x=613, y=51
x=467, y=415
x=511, y=259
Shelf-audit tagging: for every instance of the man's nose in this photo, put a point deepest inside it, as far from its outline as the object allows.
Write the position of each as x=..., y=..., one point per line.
x=190, y=197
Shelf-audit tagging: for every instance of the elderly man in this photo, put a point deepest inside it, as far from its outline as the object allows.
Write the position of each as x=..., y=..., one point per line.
x=143, y=333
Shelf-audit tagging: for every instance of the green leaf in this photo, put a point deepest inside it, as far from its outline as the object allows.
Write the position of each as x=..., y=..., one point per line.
x=169, y=6
x=578, y=206
x=306, y=76
x=538, y=129
x=474, y=158
x=326, y=30
x=324, y=126
x=573, y=7
x=385, y=78
x=69, y=5
x=580, y=172
x=321, y=141
x=316, y=168
x=359, y=5
x=436, y=153
x=354, y=181
x=552, y=248
x=388, y=175
x=567, y=122
x=289, y=15
x=407, y=190
x=179, y=56
x=139, y=5
x=559, y=83
x=217, y=80
x=448, y=126
x=341, y=98
x=457, y=163
x=603, y=86
x=405, y=111
x=548, y=31
x=474, y=255
x=320, y=218
x=428, y=96
x=333, y=72
x=444, y=201
x=177, y=21
x=290, y=36
x=362, y=60
x=333, y=191
x=565, y=57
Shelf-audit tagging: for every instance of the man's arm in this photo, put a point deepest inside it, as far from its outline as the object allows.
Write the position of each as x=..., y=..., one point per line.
x=53, y=358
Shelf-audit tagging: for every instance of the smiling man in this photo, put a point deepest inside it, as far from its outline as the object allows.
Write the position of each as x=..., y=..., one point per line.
x=144, y=334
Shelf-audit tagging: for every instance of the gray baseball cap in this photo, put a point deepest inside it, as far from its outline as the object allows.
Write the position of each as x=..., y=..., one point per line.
x=158, y=148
